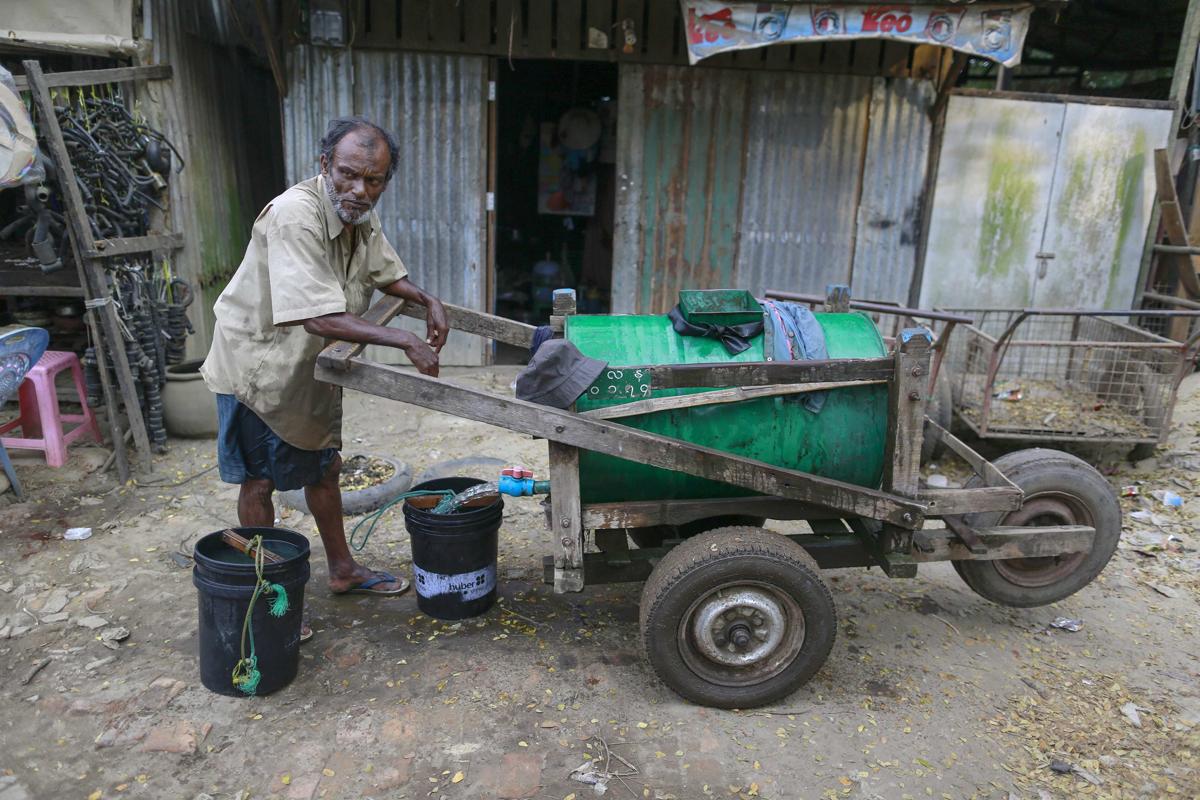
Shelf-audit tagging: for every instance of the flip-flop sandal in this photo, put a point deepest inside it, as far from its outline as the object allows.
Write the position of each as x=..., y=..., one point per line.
x=367, y=586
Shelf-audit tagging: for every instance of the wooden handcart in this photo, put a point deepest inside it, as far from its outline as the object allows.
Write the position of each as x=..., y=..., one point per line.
x=738, y=616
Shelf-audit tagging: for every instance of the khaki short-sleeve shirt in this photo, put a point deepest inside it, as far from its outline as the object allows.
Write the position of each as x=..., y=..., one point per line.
x=301, y=263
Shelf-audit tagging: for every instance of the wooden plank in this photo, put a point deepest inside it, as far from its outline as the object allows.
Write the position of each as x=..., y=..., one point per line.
x=539, y=27
x=1003, y=543
x=906, y=413
x=926, y=62
x=867, y=53
x=136, y=244
x=93, y=283
x=459, y=318
x=736, y=395
x=939, y=502
x=478, y=323
x=618, y=440
x=647, y=513
x=569, y=40
x=982, y=467
x=94, y=77
x=414, y=23
x=477, y=24
x=778, y=56
x=894, y=62
x=510, y=37
x=660, y=34
x=836, y=57
x=380, y=313
x=446, y=22
x=600, y=16
x=566, y=518
x=39, y=291
x=765, y=373
x=807, y=57
x=1172, y=219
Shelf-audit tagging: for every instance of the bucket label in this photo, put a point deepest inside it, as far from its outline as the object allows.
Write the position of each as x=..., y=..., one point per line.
x=471, y=585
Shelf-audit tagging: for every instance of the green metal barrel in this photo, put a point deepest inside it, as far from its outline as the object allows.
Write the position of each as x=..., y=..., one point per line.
x=845, y=441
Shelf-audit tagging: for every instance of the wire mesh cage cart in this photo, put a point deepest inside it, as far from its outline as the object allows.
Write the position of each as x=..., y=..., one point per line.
x=1065, y=375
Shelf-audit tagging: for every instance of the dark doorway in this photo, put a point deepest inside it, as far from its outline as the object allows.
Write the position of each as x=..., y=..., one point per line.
x=555, y=187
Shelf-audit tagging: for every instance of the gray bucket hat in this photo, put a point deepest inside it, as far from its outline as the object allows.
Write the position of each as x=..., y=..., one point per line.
x=557, y=374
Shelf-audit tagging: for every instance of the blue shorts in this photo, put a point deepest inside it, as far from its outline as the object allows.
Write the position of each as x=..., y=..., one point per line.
x=248, y=449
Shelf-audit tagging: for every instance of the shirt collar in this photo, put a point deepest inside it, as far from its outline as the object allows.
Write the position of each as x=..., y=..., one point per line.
x=333, y=223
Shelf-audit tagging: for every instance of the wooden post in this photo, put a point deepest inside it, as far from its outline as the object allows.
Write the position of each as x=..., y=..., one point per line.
x=94, y=286
x=906, y=423
x=566, y=509
x=837, y=298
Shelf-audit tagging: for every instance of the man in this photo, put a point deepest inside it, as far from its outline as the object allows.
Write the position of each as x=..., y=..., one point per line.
x=316, y=254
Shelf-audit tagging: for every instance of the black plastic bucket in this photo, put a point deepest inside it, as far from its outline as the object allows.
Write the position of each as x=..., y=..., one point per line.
x=225, y=580
x=454, y=555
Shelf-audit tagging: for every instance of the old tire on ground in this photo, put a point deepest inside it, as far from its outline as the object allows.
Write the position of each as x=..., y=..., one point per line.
x=360, y=501
x=1060, y=489
x=736, y=618
x=940, y=409
x=655, y=535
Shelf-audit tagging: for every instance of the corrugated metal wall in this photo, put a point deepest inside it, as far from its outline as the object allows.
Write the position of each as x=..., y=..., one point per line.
x=433, y=211
x=766, y=180
x=804, y=155
x=689, y=127
x=889, y=213
x=215, y=99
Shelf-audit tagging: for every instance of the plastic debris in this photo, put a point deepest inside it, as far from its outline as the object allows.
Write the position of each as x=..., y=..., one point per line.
x=1067, y=624
x=1130, y=710
x=1011, y=395
x=1129, y=491
x=1168, y=498
x=938, y=481
x=77, y=534
x=1062, y=767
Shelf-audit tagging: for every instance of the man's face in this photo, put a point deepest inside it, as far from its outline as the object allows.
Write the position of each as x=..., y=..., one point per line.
x=356, y=174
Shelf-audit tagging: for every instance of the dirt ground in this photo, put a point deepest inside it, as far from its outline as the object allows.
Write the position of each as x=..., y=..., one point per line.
x=930, y=690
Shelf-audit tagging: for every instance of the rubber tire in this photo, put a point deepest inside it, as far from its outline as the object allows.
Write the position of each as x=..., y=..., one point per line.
x=360, y=501
x=941, y=411
x=1039, y=471
x=711, y=559
x=655, y=535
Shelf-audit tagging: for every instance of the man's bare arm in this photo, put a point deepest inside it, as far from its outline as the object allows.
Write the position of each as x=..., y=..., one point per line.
x=349, y=328
x=437, y=329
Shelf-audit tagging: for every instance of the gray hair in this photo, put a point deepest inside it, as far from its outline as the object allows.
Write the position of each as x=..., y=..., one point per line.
x=340, y=126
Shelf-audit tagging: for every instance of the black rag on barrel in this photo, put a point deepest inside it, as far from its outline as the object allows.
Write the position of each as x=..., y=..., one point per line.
x=736, y=338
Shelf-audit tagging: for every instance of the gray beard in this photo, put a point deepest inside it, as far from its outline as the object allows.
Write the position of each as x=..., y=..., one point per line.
x=344, y=214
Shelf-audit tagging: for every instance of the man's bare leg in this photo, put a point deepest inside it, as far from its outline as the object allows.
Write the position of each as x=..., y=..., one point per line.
x=255, y=509
x=325, y=502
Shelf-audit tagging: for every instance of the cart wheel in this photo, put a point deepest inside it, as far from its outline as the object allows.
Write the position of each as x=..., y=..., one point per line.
x=737, y=617
x=1060, y=489
x=655, y=535
x=941, y=411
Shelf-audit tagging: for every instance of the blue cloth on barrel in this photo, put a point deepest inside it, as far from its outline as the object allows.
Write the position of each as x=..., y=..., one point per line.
x=797, y=337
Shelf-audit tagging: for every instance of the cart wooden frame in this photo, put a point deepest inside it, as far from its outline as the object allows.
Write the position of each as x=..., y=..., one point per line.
x=882, y=527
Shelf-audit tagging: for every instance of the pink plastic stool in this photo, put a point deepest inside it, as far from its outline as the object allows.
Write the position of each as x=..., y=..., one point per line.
x=40, y=420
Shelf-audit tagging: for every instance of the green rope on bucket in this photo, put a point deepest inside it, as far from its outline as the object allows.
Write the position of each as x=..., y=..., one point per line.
x=372, y=519
x=246, y=675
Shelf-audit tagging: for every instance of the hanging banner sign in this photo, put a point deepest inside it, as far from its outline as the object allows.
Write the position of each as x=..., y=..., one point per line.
x=995, y=31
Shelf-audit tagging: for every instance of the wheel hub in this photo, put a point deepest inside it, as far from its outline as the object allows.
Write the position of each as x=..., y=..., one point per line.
x=740, y=627
x=1038, y=510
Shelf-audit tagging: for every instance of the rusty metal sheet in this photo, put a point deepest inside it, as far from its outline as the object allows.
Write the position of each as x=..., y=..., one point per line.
x=432, y=213
x=806, y=143
x=685, y=183
x=889, y=213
